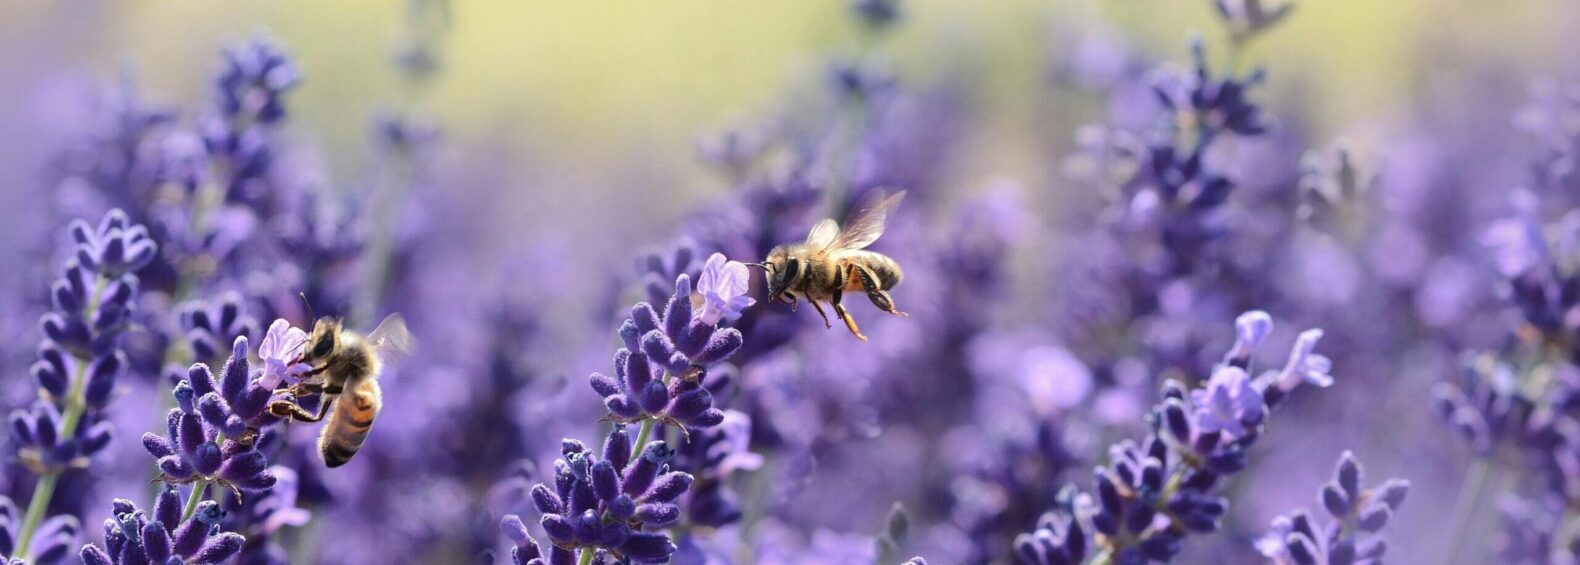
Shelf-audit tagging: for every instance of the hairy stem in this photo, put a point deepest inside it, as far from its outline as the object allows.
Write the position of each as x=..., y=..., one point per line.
x=194, y=498
x=642, y=435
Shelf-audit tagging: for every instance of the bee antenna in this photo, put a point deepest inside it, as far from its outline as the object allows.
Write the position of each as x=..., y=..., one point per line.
x=758, y=265
x=309, y=305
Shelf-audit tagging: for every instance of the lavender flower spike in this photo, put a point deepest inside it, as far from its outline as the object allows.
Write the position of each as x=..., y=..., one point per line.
x=212, y=431
x=280, y=345
x=51, y=544
x=1154, y=493
x=723, y=288
x=659, y=348
x=209, y=326
x=134, y=537
x=617, y=503
x=79, y=361
x=525, y=550
x=1303, y=367
x=1249, y=330
x=1355, y=533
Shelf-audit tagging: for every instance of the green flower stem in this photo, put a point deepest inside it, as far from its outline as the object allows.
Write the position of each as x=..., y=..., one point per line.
x=194, y=498
x=76, y=406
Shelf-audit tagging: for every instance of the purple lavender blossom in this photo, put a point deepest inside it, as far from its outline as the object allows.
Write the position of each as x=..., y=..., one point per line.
x=723, y=287
x=1355, y=533
x=1155, y=493
x=1521, y=398
x=1220, y=103
x=282, y=344
x=661, y=373
x=658, y=269
x=79, y=360
x=1058, y=540
x=262, y=518
x=712, y=456
x=211, y=435
x=208, y=326
x=525, y=550
x=611, y=503
x=167, y=536
x=1229, y=405
x=1250, y=329
x=52, y=542
x=252, y=83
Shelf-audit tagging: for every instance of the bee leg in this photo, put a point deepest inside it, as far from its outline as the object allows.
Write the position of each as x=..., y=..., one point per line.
x=820, y=312
x=288, y=409
x=845, y=315
x=302, y=389
x=878, y=296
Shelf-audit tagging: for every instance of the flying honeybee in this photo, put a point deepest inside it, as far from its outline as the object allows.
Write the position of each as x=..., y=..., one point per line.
x=345, y=368
x=834, y=260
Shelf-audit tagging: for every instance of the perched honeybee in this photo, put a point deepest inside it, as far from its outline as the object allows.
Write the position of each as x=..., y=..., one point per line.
x=833, y=260
x=345, y=366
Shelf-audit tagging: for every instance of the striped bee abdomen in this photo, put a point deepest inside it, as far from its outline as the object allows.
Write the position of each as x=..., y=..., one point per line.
x=883, y=271
x=887, y=270
x=349, y=423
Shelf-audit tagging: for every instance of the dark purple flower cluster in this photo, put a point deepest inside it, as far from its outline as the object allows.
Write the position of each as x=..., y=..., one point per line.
x=611, y=503
x=1537, y=530
x=80, y=359
x=1522, y=402
x=659, y=374
x=261, y=518
x=1354, y=535
x=658, y=270
x=52, y=542
x=211, y=435
x=1161, y=262
x=209, y=326
x=525, y=550
x=249, y=94
x=169, y=536
x=1155, y=493
x=712, y=455
x=253, y=81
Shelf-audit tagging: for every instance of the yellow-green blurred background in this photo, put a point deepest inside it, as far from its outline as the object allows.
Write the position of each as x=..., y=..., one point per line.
x=573, y=86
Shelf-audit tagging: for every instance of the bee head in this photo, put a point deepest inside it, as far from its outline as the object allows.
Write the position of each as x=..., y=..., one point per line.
x=321, y=342
x=779, y=270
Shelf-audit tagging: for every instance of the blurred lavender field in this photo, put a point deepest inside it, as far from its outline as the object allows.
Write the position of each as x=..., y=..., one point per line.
x=1223, y=281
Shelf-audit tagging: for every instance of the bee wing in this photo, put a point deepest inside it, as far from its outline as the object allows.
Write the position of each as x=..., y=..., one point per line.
x=392, y=339
x=823, y=234
x=865, y=223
